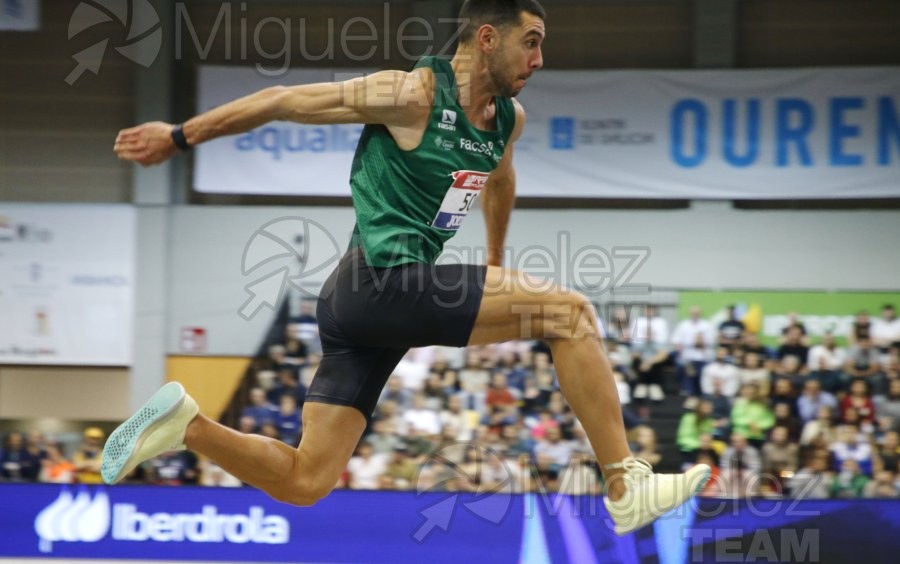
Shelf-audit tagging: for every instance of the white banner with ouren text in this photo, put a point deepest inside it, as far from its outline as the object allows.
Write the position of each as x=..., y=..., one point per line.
x=755, y=134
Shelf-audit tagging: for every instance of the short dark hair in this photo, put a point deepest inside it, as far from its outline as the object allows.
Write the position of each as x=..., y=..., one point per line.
x=498, y=13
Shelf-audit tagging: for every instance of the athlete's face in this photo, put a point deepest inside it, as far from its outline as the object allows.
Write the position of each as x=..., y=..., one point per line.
x=517, y=56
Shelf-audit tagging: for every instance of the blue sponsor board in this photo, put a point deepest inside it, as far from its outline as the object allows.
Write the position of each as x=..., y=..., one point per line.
x=562, y=133
x=234, y=525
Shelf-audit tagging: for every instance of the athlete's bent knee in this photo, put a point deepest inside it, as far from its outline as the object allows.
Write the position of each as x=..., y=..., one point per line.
x=576, y=320
x=304, y=493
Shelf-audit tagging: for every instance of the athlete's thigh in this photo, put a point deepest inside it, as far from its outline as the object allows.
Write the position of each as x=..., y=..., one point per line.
x=516, y=305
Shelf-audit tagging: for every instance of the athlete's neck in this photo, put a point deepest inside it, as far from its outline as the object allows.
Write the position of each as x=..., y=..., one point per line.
x=473, y=81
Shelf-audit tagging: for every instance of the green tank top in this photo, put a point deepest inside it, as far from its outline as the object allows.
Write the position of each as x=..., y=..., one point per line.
x=409, y=203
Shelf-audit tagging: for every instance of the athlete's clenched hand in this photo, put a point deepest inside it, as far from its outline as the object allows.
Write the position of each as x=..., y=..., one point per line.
x=146, y=144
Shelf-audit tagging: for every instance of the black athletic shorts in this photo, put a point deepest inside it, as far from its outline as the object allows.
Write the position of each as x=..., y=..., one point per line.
x=370, y=317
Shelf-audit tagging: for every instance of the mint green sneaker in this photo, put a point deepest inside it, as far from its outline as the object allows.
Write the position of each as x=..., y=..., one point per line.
x=158, y=426
x=649, y=496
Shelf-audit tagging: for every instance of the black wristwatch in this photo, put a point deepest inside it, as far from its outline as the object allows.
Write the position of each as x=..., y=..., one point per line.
x=178, y=137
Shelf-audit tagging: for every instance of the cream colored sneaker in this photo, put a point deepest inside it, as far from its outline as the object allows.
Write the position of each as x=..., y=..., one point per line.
x=158, y=426
x=649, y=496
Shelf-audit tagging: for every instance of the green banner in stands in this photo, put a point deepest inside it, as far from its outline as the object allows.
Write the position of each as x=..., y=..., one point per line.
x=767, y=312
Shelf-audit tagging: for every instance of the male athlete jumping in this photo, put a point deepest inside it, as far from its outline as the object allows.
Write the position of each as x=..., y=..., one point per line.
x=435, y=139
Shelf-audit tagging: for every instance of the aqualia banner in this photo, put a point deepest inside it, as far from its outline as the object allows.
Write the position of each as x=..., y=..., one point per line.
x=767, y=134
x=66, y=284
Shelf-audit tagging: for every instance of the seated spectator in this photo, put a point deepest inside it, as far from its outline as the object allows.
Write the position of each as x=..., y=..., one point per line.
x=306, y=326
x=862, y=362
x=888, y=453
x=714, y=486
x=392, y=415
x=650, y=351
x=260, y=408
x=790, y=369
x=534, y=399
x=515, y=372
x=780, y=457
x=624, y=392
x=56, y=469
x=860, y=400
x=270, y=429
x=794, y=346
x=850, y=482
x=721, y=371
x=88, y=458
x=454, y=418
x=886, y=329
x=822, y=426
x=295, y=350
x=643, y=444
x=851, y=445
x=401, y=469
x=812, y=399
x=412, y=371
x=794, y=324
x=17, y=464
x=721, y=411
x=750, y=345
x=499, y=417
x=580, y=442
x=435, y=395
x=286, y=383
x=813, y=481
x=473, y=382
x=579, y=477
x=247, y=425
x=888, y=407
x=693, y=340
x=382, y=441
x=731, y=331
x=562, y=413
x=308, y=370
x=544, y=422
x=861, y=328
x=826, y=360
x=553, y=449
x=174, y=468
x=499, y=394
x=693, y=425
x=783, y=392
x=741, y=464
x=421, y=419
x=786, y=419
x=751, y=416
x=288, y=420
x=211, y=474
x=395, y=392
x=883, y=486
x=754, y=372
x=366, y=468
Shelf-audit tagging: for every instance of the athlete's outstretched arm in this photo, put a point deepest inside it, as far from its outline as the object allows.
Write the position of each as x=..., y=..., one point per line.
x=499, y=195
x=393, y=98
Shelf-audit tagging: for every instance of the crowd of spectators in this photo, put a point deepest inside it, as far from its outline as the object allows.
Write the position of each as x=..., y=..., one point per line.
x=809, y=417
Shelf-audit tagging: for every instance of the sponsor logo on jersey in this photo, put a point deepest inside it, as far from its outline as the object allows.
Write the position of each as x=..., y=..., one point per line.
x=448, y=120
x=477, y=148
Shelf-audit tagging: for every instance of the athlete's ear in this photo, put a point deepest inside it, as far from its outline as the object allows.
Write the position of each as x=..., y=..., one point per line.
x=487, y=38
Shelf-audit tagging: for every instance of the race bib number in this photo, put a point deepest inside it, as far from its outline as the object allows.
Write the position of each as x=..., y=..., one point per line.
x=467, y=184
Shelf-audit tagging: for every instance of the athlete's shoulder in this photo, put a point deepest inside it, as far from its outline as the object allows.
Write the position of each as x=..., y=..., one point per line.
x=520, y=119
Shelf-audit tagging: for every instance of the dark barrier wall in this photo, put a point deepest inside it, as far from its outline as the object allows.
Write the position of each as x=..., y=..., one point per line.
x=237, y=525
